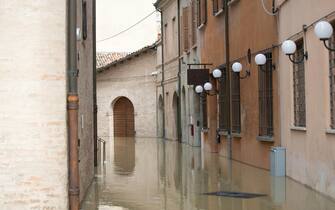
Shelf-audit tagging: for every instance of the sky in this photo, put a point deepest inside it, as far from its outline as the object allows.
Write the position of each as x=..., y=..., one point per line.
x=114, y=16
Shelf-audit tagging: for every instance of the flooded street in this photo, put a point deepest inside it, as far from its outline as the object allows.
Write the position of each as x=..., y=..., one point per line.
x=150, y=174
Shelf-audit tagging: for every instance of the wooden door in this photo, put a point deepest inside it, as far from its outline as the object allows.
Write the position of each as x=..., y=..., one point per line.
x=124, y=122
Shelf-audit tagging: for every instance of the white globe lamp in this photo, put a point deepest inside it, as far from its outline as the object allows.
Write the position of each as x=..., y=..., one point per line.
x=323, y=30
x=199, y=89
x=289, y=47
x=208, y=86
x=260, y=59
x=217, y=73
x=237, y=67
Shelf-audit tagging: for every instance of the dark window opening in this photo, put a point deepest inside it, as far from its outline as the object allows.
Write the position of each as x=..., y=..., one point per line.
x=236, y=105
x=202, y=12
x=265, y=85
x=84, y=19
x=299, y=87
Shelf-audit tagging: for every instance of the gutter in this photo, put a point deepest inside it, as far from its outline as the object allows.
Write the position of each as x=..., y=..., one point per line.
x=163, y=76
x=179, y=132
x=72, y=105
x=229, y=80
x=95, y=106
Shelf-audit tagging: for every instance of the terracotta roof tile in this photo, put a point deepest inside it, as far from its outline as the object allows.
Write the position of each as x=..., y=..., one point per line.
x=105, y=58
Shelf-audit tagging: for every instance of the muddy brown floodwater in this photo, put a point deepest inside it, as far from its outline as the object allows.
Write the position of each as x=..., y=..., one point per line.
x=152, y=174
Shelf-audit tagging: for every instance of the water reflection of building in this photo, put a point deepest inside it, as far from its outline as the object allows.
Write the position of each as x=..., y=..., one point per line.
x=124, y=155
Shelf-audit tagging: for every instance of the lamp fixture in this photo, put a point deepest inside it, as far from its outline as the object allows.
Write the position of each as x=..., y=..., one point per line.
x=324, y=31
x=260, y=60
x=237, y=68
x=289, y=48
x=207, y=88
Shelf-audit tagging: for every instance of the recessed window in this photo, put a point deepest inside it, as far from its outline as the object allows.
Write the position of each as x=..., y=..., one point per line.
x=194, y=22
x=217, y=6
x=299, y=87
x=202, y=12
x=265, y=97
x=84, y=19
x=185, y=28
x=236, y=104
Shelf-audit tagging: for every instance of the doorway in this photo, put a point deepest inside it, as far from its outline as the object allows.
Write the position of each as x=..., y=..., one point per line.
x=124, y=120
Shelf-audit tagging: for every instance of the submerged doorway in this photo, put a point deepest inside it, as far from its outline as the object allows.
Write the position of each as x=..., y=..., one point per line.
x=124, y=122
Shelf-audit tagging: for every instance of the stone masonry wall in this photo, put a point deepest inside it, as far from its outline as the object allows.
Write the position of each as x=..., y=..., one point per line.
x=131, y=79
x=33, y=134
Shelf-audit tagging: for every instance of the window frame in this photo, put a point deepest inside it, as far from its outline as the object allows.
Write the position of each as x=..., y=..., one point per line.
x=84, y=19
x=299, y=87
x=265, y=98
x=202, y=13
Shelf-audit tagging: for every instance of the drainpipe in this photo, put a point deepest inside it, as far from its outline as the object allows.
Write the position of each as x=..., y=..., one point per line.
x=163, y=76
x=179, y=76
x=72, y=104
x=95, y=106
x=229, y=80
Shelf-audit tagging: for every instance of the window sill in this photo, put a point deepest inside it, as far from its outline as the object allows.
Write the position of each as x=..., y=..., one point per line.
x=205, y=130
x=265, y=138
x=232, y=2
x=330, y=131
x=218, y=13
x=295, y=128
x=201, y=26
x=236, y=135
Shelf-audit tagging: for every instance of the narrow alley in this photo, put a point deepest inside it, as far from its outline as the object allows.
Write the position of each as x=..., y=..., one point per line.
x=153, y=174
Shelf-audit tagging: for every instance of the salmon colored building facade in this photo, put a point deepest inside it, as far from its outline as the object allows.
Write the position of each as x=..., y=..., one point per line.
x=254, y=106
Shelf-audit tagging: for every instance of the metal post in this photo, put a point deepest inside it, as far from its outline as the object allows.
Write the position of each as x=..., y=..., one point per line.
x=229, y=80
x=95, y=109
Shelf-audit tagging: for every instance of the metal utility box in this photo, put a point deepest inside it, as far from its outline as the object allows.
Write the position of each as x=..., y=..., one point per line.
x=278, y=161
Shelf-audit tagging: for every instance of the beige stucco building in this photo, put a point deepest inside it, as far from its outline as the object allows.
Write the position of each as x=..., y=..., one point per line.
x=33, y=119
x=305, y=96
x=130, y=79
x=168, y=86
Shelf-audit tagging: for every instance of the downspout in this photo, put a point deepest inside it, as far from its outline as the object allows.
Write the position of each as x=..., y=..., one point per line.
x=179, y=76
x=163, y=77
x=95, y=106
x=72, y=104
x=229, y=80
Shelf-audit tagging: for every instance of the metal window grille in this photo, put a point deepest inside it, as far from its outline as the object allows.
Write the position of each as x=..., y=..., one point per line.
x=236, y=108
x=223, y=102
x=332, y=82
x=202, y=12
x=299, y=88
x=265, y=85
x=204, y=111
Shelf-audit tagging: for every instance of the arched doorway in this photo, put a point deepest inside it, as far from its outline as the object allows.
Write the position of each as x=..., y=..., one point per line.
x=124, y=122
x=160, y=116
x=175, y=102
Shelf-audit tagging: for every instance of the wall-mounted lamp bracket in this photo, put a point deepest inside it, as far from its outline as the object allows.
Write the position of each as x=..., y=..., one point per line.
x=302, y=59
x=247, y=74
x=327, y=46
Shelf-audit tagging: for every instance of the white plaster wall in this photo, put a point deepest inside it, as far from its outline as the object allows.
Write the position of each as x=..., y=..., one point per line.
x=33, y=135
x=310, y=153
x=131, y=79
